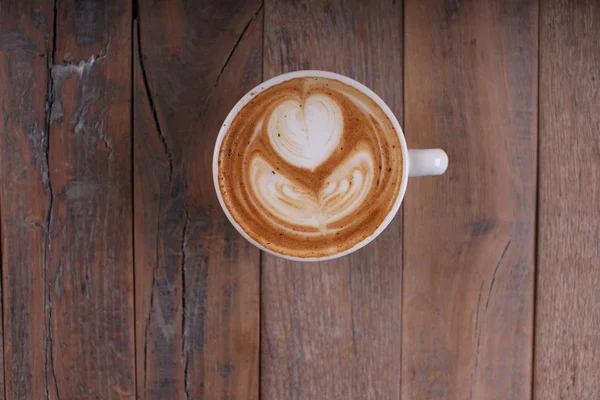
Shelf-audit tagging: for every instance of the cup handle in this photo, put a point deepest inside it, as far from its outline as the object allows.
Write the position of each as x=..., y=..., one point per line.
x=427, y=162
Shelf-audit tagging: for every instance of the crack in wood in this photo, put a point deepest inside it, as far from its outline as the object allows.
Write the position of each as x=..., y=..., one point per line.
x=51, y=346
x=230, y=55
x=184, y=353
x=477, y=324
x=151, y=306
x=147, y=327
x=478, y=303
x=47, y=245
x=237, y=42
x=477, y=341
x=487, y=300
x=186, y=381
x=163, y=140
x=183, y=284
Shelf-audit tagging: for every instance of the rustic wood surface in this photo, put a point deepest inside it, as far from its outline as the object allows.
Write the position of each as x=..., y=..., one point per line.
x=24, y=72
x=122, y=278
x=197, y=280
x=567, y=345
x=74, y=149
x=88, y=274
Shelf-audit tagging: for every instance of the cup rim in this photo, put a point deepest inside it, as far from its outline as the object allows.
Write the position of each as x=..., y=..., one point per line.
x=318, y=74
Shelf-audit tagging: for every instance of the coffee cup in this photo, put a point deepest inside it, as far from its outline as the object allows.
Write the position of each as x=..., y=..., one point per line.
x=313, y=165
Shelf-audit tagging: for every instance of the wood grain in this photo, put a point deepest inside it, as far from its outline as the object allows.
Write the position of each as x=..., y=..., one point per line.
x=89, y=272
x=471, y=88
x=25, y=32
x=197, y=280
x=332, y=330
x=567, y=340
x=66, y=200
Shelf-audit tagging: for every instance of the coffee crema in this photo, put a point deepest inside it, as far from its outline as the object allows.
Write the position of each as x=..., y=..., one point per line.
x=310, y=167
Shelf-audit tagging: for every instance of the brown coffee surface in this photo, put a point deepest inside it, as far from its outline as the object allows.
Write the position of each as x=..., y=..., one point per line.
x=310, y=167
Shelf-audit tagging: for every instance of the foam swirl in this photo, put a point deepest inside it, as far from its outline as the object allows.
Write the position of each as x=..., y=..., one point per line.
x=293, y=204
x=347, y=188
x=285, y=201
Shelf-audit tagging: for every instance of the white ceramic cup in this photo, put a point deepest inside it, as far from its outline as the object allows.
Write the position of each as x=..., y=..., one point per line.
x=414, y=162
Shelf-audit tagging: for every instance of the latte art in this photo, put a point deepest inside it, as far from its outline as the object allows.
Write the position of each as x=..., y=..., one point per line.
x=305, y=136
x=310, y=167
x=344, y=192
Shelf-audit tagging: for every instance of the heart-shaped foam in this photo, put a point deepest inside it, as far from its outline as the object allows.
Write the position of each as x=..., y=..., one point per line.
x=342, y=193
x=305, y=135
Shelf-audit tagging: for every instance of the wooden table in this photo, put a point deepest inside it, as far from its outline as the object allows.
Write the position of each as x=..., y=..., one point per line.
x=122, y=278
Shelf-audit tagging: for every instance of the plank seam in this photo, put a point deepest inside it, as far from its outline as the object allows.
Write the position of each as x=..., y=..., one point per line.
x=47, y=246
x=537, y=203
x=134, y=12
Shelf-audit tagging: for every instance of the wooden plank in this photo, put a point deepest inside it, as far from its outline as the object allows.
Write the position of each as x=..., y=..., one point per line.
x=567, y=340
x=89, y=271
x=471, y=88
x=25, y=32
x=331, y=330
x=197, y=281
